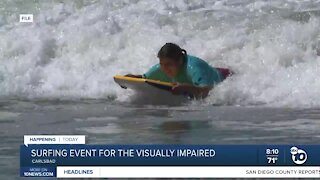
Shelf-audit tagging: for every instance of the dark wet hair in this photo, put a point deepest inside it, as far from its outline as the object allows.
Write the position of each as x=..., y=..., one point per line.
x=172, y=51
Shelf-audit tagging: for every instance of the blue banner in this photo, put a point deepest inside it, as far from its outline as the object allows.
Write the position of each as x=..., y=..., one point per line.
x=169, y=155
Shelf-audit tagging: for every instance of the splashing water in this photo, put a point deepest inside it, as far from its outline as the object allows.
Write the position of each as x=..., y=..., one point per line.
x=73, y=49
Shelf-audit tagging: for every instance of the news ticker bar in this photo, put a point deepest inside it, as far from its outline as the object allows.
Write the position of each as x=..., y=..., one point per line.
x=187, y=172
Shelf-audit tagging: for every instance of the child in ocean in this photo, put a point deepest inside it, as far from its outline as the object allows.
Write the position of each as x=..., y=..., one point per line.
x=191, y=75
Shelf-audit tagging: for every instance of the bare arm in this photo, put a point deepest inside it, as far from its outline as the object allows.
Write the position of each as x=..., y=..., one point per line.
x=196, y=91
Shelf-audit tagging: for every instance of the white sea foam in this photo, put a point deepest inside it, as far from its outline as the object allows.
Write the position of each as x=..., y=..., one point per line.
x=73, y=49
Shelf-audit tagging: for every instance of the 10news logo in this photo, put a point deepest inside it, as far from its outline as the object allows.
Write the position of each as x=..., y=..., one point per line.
x=298, y=156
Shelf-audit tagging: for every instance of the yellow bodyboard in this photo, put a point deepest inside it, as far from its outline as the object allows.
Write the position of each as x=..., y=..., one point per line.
x=133, y=83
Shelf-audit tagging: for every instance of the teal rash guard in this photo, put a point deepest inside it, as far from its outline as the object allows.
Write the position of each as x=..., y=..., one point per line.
x=195, y=71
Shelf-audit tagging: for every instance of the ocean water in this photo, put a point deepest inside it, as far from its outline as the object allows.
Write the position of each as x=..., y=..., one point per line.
x=56, y=73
